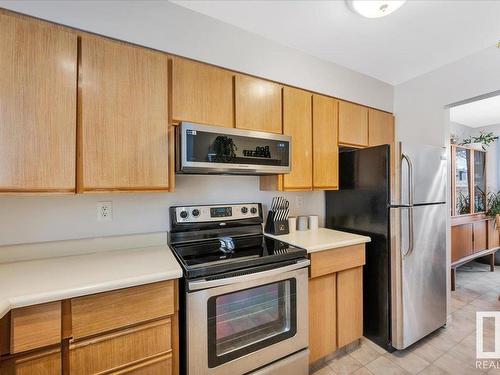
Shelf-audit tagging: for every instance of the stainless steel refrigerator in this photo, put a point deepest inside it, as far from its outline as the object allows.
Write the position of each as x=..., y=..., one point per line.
x=399, y=201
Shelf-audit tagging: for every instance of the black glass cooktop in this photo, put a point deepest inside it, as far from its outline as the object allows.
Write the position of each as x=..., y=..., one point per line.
x=211, y=257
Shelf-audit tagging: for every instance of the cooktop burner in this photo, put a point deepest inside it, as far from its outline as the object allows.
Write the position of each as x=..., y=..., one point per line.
x=210, y=240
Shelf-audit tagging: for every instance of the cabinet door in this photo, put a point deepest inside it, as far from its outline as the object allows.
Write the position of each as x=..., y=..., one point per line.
x=353, y=124
x=201, y=93
x=349, y=305
x=325, y=143
x=38, y=65
x=257, y=104
x=297, y=124
x=124, y=117
x=380, y=128
x=322, y=316
x=480, y=236
x=493, y=235
x=461, y=241
x=47, y=362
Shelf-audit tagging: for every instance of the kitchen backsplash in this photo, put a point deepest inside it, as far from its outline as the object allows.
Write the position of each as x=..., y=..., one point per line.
x=51, y=218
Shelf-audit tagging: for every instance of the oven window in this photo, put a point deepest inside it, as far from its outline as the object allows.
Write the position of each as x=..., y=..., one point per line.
x=251, y=319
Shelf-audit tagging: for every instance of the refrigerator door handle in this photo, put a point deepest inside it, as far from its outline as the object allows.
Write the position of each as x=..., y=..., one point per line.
x=410, y=233
x=410, y=203
x=410, y=178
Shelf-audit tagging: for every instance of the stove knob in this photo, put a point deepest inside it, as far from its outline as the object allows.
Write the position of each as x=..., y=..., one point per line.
x=244, y=210
x=253, y=210
x=183, y=214
x=196, y=212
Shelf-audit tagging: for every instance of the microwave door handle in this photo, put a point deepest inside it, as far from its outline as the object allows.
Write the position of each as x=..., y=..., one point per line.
x=205, y=284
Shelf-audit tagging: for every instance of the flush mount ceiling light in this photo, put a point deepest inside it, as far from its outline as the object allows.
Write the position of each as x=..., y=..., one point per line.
x=374, y=8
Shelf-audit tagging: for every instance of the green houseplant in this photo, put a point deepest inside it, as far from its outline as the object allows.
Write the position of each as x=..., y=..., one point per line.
x=486, y=139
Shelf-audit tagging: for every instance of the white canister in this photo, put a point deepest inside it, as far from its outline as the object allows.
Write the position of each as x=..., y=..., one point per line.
x=292, y=224
x=313, y=222
x=302, y=223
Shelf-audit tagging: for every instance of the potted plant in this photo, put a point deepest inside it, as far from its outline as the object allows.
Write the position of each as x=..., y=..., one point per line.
x=493, y=210
x=483, y=141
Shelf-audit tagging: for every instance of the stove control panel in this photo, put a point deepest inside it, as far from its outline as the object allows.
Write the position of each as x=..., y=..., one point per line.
x=199, y=214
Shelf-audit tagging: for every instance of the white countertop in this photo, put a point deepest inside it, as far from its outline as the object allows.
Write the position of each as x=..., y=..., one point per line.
x=30, y=282
x=321, y=239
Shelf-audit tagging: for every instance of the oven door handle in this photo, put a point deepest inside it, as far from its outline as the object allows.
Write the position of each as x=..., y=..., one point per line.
x=205, y=284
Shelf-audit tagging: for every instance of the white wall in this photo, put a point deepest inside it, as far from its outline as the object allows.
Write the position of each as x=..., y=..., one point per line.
x=171, y=28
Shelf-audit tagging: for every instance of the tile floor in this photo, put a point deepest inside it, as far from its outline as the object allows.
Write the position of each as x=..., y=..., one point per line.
x=450, y=350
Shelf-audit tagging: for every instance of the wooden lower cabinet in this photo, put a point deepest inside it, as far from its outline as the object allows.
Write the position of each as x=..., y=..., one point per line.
x=47, y=362
x=461, y=241
x=480, y=236
x=350, y=305
x=322, y=316
x=127, y=331
x=122, y=349
x=335, y=300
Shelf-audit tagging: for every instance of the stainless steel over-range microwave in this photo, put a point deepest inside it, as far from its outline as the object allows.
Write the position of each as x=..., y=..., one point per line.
x=203, y=149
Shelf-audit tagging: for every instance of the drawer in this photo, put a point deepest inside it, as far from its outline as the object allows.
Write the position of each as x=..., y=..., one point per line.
x=46, y=362
x=34, y=327
x=120, y=349
x=107, y=311
x=161, y=365
x=335, y=260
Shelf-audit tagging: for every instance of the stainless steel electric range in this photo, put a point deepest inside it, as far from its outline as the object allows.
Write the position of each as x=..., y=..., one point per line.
x=243, y=296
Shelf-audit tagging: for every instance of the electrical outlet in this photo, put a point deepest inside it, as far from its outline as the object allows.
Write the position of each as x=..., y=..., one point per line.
x=299, y=202
x=104, y=211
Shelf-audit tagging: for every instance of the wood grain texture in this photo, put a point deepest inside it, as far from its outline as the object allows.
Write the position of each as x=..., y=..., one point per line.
x=322, y=317
x=480, y=237
x=124, y=125
x=349, y=306
x=353, y=124
x=493, y=235
x=201, y=93
x=120, y=349
x=325, y=143
x=47, y=362
x=34, y=327
x=380, y=128
x=257, y=104
x=297, y=123
x=461, y=241
x=159, y=365
x=330, y=261
x=5, y=334
x=38, y=64
x=104, y=312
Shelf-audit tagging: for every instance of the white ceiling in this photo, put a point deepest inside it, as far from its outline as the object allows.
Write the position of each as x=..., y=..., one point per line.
x=419, y=37
x=476, y=114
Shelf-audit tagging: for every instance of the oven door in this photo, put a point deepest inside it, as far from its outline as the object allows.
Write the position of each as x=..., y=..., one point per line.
x=248, y=321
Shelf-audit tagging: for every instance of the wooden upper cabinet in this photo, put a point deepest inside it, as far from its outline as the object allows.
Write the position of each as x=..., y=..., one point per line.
x=325, y=143
x=297, y=116
x=38, y=65
x=123, y=131
x=201, y=93
x=257, y=104
x=380, y=127
x=353, y=124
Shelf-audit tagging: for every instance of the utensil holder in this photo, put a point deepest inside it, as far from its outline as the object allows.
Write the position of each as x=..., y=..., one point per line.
x=275, y=227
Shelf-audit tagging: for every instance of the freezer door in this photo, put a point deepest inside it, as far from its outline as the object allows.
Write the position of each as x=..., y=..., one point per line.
x=422, y=173
x=418, y=280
